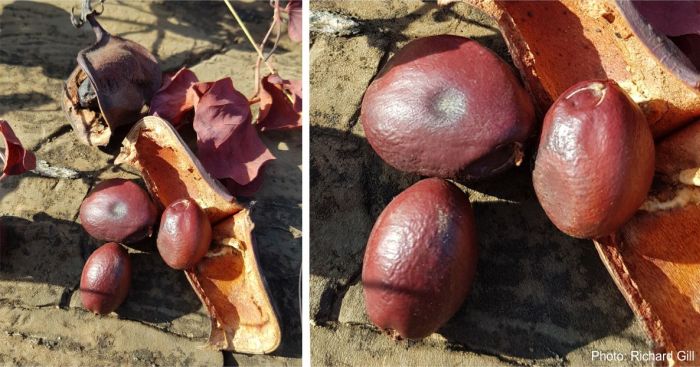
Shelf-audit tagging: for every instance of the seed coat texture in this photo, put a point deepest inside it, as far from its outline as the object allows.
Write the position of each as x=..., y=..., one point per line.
x=106, y=278
x=448, y=107
x=595, y=162
x=184, y=235
x=420, y=259
x=118, y=210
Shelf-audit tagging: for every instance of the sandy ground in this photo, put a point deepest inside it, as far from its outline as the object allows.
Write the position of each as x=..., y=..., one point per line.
x=162, y=322
x=540, y=297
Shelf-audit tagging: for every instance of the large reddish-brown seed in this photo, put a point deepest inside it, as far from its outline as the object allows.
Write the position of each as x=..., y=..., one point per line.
x=446, y=106
x=118, y=210
x=420, y=259
x=595, y=162
x=184, y=235
x=106, y=278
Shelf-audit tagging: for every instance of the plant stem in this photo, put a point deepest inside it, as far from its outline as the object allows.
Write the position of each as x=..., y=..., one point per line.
x=250, y=38
x=257, y=77
x=276, y=20
x=275, y=25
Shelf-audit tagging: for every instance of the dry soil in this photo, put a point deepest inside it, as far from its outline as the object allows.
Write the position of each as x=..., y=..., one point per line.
x=162, y=323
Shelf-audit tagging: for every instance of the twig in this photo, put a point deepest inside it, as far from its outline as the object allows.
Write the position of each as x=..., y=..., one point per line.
x=277, y=26
x=276, y=21
x=278, y=35
x=267, y=35
x=45, y=170
x=250, y=38
x=256, y=92
x=278, y=29
x=86, y=9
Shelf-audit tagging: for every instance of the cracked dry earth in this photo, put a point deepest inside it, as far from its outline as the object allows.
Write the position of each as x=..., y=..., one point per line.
x=162, y=322
x=540, y=297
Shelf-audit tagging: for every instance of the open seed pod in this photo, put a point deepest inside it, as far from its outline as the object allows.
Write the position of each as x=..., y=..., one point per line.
x=114, y=80
x=557, y=44
x=227, y=280
x=655, y=258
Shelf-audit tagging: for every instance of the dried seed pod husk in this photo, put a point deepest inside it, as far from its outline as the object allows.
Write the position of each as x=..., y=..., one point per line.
x=229, y=283
x=123, y=75
x=557, y=44
x=227, y=280
x=655, y=257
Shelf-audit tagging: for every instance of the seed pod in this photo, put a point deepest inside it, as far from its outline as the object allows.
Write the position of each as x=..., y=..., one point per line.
x=118, y=210
x=420, y=259
x=113, y=81
x=595, y=162
x=106, y=278
x=446, y=106
x=184, y=235
x=230, y=283
x=653, y=257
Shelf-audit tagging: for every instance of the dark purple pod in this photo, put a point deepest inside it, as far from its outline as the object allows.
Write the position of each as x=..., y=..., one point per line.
x=595, y=162
x=184, y=235
x=113, y=81
x=106, y=278
x=420, y=259
x=671, y=31
x=118, y=210
x=446, y=106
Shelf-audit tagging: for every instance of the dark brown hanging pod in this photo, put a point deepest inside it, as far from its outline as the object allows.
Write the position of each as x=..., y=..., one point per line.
x=113, y=82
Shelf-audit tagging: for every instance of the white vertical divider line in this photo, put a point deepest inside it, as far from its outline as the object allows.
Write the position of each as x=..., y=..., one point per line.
x=306, y=198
